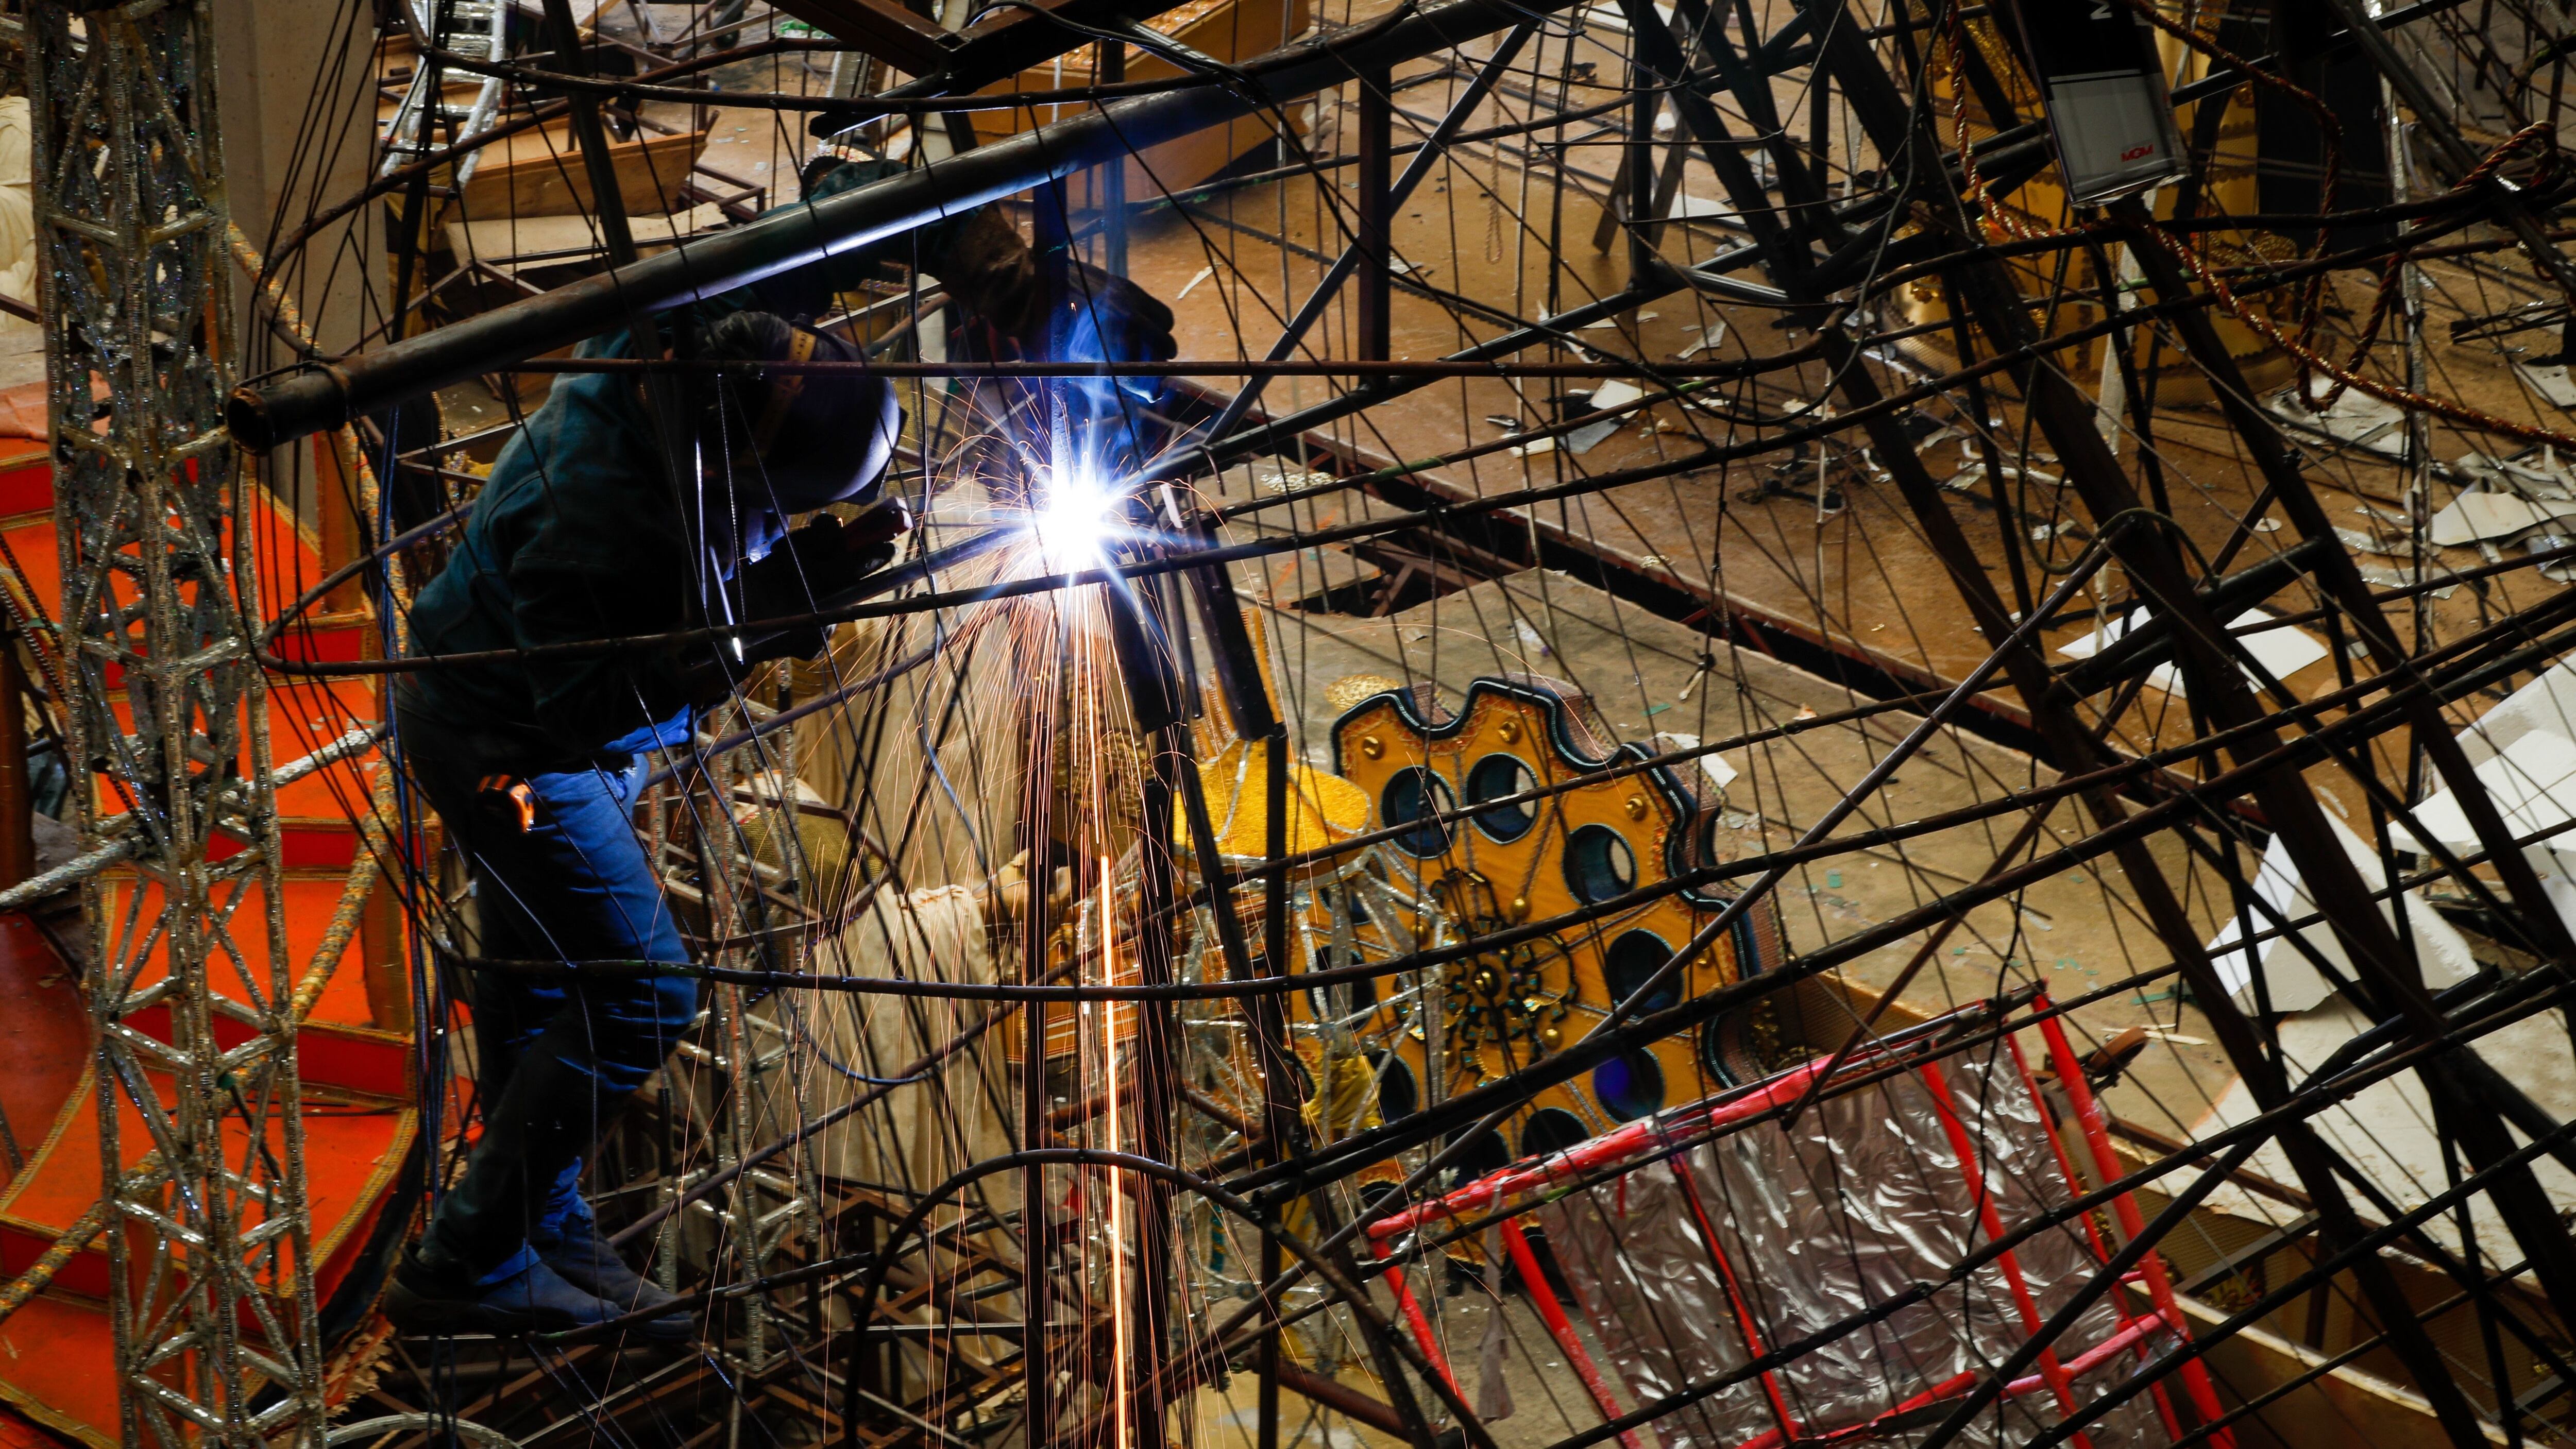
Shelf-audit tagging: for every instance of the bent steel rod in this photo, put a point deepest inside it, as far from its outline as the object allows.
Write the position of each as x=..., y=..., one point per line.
x=327, y=394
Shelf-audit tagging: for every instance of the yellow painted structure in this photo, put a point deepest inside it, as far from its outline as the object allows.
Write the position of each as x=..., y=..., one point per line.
x=1504, y=1008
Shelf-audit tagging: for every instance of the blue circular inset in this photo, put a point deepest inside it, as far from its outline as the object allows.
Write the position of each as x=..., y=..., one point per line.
x=1599, y=864
x=1415, y=797
x=1494, y=777
x=1630, y=1085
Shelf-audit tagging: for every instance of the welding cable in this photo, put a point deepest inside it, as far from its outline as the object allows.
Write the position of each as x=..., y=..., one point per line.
x=2457, y=413
x=2329, y=131
x=2468, y=187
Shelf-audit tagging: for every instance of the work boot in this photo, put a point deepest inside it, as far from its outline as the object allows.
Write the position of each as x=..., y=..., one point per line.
x=535, y=1299
x=534, y=1137
x=585, y=1260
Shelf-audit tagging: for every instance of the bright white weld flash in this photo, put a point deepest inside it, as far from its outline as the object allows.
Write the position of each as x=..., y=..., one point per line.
x=1072, y=520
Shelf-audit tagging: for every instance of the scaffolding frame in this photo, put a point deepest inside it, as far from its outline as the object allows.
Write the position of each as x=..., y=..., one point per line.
x=187, y=977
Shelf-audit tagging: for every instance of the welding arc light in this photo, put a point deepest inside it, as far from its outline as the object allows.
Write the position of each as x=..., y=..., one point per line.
x=1072, y=519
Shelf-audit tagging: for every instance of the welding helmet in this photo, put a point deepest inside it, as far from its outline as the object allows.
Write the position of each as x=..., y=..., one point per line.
x=794, y=441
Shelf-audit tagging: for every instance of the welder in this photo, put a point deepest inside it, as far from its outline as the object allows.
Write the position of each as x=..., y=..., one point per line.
x=626, y=508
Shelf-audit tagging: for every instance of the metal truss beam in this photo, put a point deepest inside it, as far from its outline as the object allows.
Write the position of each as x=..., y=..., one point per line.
x=188, y=979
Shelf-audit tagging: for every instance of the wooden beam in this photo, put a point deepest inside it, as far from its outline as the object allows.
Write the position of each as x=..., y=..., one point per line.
x=882, y=28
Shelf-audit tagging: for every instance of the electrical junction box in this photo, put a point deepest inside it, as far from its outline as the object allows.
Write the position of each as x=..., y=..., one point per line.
x=2104, y=90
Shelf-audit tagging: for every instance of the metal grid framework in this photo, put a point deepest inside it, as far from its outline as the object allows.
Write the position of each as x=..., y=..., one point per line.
x=213, y=1300
x=130, y=220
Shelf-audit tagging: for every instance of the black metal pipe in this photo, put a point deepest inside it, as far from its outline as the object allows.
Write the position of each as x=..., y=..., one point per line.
x=326, y=394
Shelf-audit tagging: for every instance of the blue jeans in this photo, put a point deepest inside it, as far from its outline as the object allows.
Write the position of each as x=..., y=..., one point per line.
x=575, y=886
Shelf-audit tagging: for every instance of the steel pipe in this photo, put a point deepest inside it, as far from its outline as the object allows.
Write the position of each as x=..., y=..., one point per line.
x=327, y=394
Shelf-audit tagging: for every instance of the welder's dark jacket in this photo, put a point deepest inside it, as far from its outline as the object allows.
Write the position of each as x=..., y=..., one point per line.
x=578, y=535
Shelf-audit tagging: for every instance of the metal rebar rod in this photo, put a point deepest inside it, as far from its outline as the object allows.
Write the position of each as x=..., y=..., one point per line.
x=265, y=414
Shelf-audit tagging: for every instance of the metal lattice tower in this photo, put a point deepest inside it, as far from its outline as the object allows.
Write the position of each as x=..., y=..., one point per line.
x=213, y=1303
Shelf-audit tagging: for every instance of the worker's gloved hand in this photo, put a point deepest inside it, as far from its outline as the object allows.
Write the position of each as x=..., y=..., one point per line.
x=1006, y=897
x=810, y=568
x=804, y=574
x=1005, y=287
x=1007, y=290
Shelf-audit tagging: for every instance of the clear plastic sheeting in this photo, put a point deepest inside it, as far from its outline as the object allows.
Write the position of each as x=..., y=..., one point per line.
x=1862, y=1199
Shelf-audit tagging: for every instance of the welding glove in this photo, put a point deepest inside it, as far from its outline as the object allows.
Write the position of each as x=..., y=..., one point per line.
x=810, y=568
x=1005, y=288
x=1056, y=310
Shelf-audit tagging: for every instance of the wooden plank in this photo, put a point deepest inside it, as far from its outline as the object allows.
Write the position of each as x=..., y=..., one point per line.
x=2346, y=1406
x=1230, y=30
x=540, y=173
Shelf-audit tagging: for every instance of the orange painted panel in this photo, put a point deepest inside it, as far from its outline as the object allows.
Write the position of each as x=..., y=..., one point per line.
x=287, y=559
x=349, y=1154
x=305, y=715
x=44, y=1035
x=55, y=1352
x=58, y=1366
x=17, y=1431
x=310, y=907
